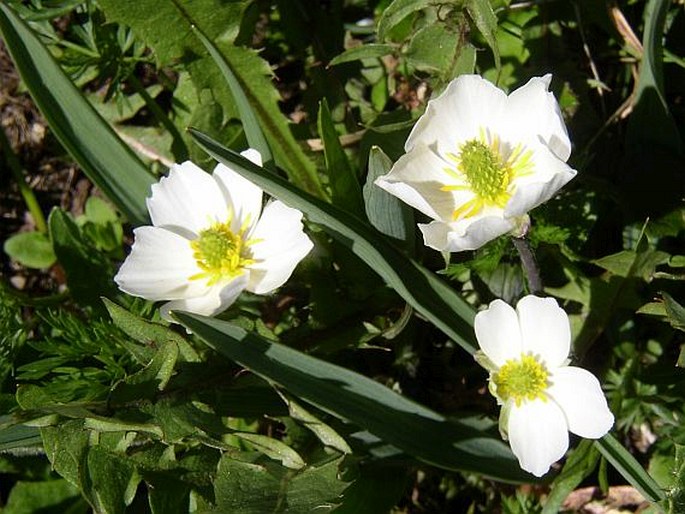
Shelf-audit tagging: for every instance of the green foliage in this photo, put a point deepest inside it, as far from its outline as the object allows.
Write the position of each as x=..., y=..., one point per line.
x=351, y=388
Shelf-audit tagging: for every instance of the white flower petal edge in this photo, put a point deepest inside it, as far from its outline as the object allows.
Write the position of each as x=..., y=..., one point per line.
x=526, y=352
x=498, y=333
x=158, y=266
x=478, y=160
x=186, y=200
x=210, y=241
x=578, y=391
x=281, y=245
x=538, y=435
x=545, y=330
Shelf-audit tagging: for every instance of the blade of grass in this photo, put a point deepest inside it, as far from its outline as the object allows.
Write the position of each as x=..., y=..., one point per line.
x=631, y=469
x=431, y=297
x=107, y=161
x=350, y=396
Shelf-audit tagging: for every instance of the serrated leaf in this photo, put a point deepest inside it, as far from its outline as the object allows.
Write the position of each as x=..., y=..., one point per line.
x=32, y=249
x=357, y=53
x=323, y=432
x=434, y=299
x=109, y=163
x=434, y=48
x=397, y=11
x=344, y=185
x=360, y=400
x=485, y=21
x=89, y=273
x=151, y=336
x=168, y=29
x=273, y=449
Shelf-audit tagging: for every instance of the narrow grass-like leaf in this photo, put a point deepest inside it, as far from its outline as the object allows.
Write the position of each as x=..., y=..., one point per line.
x=350, y=396
x=431, y=297
x=347, y=193
x=631, y=470
x=18, y=436
x=107, y=161
x=253, y=132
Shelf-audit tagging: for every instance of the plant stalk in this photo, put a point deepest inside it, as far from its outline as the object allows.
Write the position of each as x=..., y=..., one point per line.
x=530, y=265
x=26, y=192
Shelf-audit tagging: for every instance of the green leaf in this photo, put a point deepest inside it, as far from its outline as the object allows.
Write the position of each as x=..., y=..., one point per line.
x=485, y=21
x=357, y=53
x=396, y=12
x=18, y=436
x=323, y=432
x=50, y=496
x=254, y=488
x=378, y=488
x=387, y=213
x=344, y=185
x=113, y=480
x=107, y=161
x=434, y=299
x=434, y=48
x=66, y=449
x=581, y=462
x=89, y=273
x=151, y=336
x=362, y=401
x=32, y=249
x=168, y=29
x=273, y=449
x=254, y=134
x=629, y=468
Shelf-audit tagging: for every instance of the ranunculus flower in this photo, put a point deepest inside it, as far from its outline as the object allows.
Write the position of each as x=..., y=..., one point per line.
x=542, y=397
x=210, y=240
x=478, y=160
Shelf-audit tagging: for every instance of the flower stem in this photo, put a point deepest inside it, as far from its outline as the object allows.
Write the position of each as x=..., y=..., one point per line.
x=530, y=265
x=24, y=189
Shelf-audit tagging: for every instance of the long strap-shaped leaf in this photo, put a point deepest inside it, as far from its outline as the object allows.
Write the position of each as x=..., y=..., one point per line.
x=434, y=299
x=107, y=161
x=426, y=293
x=350, y=396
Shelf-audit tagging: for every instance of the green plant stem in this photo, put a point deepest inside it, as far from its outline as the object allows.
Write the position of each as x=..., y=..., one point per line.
x=179, y=146
x=26, y=192
x=530, y=265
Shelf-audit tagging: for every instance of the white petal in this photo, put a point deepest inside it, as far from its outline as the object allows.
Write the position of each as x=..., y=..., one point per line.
x=159, y=266
x=550, y=174
x=244, y=197
x=498, y=332
x=215, y=299
x=416, y=179
x=468, y=104
x=186, y=201
x=545, y=329
x=281, y=245
x=532, y=111
x=538, y=435
x=466, y=234
x=580, y=397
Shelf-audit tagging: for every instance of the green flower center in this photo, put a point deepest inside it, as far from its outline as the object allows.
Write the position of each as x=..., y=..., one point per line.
x=219, y=252
x=522, y=379
x=485, y=171
x=488, y=171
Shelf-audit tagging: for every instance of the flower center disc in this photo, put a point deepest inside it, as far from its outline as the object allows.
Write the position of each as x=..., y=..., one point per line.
x=523, y=379
x=487, y=174
x=220, y=252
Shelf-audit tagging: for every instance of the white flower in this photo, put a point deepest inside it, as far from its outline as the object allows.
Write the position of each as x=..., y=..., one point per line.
x=210, y=241
x=478, y=160
x=526, y=352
